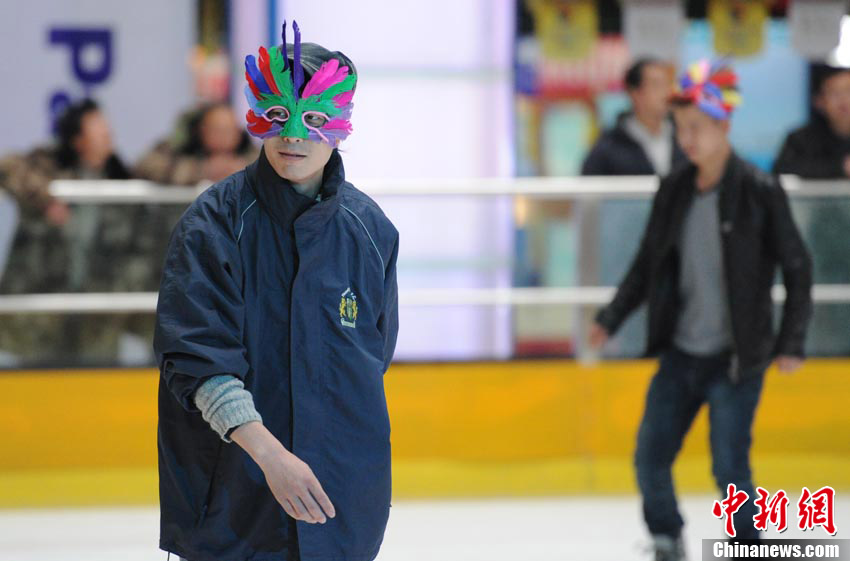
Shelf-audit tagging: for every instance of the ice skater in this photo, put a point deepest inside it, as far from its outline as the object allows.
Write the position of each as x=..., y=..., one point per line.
x=706, y=264
x=276, y=321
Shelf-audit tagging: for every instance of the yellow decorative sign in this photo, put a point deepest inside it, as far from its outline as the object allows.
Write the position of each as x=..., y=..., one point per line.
x=738, y=25
x=567, y=29
x=348, y=309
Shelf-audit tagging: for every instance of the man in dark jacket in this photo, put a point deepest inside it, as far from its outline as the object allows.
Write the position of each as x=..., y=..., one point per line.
x=276, y=321
x=821, y=149
x=717, y=231
x=643, y=141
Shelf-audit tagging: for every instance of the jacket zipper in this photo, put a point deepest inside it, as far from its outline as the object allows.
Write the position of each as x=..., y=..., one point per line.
x=210, y=489
x=734, y=364
x=734, y=369
x=203, y=515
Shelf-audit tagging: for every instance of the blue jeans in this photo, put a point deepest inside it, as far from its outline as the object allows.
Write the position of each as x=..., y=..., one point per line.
x=677, y=392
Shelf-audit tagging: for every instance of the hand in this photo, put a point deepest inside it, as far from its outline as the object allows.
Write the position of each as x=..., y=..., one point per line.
x=788, y=364
x=296, y=488
x=847, y=166
x=598, y=336
x=291, y=481
x=57, y=213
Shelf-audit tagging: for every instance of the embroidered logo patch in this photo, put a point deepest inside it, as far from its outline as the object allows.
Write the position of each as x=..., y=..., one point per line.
x=348, y=308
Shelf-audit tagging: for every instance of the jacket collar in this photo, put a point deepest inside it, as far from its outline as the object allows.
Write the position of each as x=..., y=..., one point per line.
x=730, y=190
x=820, y=124
x=285, y=205
x=728, y=182
x=619, y=129
x=624, y=117
x=728, y=195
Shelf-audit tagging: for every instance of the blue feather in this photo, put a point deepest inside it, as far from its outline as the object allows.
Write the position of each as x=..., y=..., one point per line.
x=256, y=76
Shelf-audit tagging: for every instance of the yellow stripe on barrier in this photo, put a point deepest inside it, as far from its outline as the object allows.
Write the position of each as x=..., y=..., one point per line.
x=459, y=429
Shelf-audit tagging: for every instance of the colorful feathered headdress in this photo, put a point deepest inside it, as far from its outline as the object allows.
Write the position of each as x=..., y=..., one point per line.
x=713, y=87
x=320, y=112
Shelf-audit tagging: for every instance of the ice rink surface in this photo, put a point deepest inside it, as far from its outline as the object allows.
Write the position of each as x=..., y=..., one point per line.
x=551, y=529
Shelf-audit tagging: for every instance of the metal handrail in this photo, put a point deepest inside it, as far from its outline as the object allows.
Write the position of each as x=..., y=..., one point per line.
x=135, y=191
x=145, y=302
x=579, y=188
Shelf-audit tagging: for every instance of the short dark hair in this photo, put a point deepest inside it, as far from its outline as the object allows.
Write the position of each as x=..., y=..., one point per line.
x=821, y=73
x=634, y=75
x=68, y=127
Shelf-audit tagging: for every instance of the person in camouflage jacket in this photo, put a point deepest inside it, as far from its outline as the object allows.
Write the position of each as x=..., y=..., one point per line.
x=58, y=248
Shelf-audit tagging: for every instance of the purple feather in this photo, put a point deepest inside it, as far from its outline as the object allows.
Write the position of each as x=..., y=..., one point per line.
x=283, y=47
x=298, y=71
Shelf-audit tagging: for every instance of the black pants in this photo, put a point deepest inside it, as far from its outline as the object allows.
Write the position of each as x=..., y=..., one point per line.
x=677, y=392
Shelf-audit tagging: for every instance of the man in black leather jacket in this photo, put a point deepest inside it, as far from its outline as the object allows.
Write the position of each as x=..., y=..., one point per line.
x=706, y=265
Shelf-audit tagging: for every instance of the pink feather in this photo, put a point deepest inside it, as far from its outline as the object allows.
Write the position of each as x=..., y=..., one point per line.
x=344, y=98
x=326, y=76
x=341, y=124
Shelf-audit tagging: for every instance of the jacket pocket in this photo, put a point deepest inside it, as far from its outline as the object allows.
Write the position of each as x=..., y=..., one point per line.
x=210, y=490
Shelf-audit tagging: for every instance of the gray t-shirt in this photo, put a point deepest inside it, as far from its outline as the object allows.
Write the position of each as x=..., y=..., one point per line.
x=703, y=326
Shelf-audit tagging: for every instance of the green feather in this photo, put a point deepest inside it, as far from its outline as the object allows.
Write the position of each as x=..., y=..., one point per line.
x=337, y=89
x=277, y=63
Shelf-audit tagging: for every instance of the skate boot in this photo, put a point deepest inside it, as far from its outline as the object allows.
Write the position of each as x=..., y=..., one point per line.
x=668, y=548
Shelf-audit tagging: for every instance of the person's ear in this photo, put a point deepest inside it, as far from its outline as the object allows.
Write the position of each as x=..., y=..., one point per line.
x=819, y=103
x=77, y=142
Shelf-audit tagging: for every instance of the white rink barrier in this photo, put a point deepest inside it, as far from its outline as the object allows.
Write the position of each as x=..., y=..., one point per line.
x=136, y=191
x=145, y=302
x=560, y=188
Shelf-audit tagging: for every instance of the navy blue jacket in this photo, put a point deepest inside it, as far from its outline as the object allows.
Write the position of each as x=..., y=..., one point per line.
x=299, y=300
x=617, y=153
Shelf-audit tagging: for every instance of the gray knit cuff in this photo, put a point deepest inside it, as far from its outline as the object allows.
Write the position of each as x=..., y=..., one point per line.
x=225, y=404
